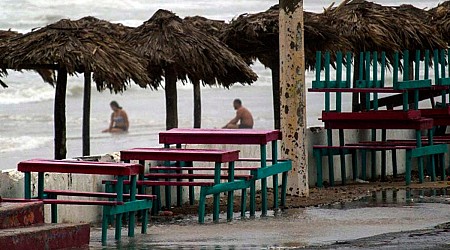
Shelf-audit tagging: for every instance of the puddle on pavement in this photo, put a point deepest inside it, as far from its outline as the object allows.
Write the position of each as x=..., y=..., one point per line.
x=382, y=212
x=397, y=198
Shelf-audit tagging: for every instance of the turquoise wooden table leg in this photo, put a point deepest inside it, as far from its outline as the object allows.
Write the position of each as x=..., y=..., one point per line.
x=168, y=189
x=179, y=188
x=201, y=205
x=284, y=177
x=27, y=183
x=318, y=156
x=105, y=222
x=230, y=198
x=253, y=199
x=119, y=189
x=40, y=185
x=216, y=202
x=243, y=202
x=432, y=162
x=132, y=214
x=408, y=163
x=191, y=189
x=364, y=164
x=263, y=182
x=442, y=157
x=420, y=159
x=275, y=177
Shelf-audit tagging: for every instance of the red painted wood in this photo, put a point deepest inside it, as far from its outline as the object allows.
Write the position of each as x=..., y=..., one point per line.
x=258, y=160
x=166, y=183
x=219, y=136
x=200, y=168
x=193, y=176
x=68, y=202
x=96, y=194
x=82, y=202
x=431, y=113
x=14, y=215
x=173, y=154
x=79, y=167
x=420, y=124
x=372, y=115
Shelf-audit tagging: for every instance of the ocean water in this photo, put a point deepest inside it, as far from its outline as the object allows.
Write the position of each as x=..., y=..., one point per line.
x=26, y=107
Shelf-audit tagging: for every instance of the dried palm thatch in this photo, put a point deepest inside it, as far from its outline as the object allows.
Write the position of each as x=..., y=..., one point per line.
x=209, y=26
x=440, y=18
x=373, y=27
x=70, y=46
x=117, y=30
x=256, y=36
x=176, y=49
x=171, y=44
x=47, y=75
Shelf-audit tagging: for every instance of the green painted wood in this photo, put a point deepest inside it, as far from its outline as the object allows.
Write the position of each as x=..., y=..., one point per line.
x=406, y=65
x=383, y=68
x=414, y=84
x=130, y=206
x=348, y=68
x=27, y=186
x=119, y=190
x=40, y=185
x=132, y=215
x=429, y=150
x=327, y=81
x=227, y=187
x=332, y=151
x=230, y=197
x=275, y=177
x=201, y=205
x=330, y=84
x=281, y=167
x=375, y=79
x=339, y=81
x=330, y=157
x=263, y=153
x=436, y=65
x=444, y=81
x=216, y=199
x=318, y=156
x=318, y=65
x=417, y=65
x=395, y=69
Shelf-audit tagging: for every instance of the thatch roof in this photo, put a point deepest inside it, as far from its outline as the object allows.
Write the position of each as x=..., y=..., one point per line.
x=440, y=18
x=209, y=26
x=256, y=36
x=47, y=75
x=117, y=30
x=373, y=27
x=67, y=44
x=169, y=42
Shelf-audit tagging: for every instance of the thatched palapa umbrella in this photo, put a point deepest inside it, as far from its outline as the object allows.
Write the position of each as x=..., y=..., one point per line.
x=440, y=18
x=115, y=30
x=256, y=36
x=215, y=29
x=71, y=49
x=179, y=51
x=47, y=75
x=373, y=27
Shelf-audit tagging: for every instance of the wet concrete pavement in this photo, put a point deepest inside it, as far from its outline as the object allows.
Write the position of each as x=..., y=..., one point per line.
x=384, y=213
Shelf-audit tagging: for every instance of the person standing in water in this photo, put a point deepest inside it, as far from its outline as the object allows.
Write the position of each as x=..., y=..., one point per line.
x=243, y=119
x=119, y=119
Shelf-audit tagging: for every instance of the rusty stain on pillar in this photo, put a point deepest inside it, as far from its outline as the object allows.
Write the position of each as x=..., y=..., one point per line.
x=293, y=97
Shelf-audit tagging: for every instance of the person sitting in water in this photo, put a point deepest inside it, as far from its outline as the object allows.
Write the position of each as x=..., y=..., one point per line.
x=119, y=119
x=243, y=117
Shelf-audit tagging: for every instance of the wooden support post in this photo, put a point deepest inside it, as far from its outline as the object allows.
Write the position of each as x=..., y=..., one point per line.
x=60, y=115
x=293, y=97
x=86, y=114
x=197, y=104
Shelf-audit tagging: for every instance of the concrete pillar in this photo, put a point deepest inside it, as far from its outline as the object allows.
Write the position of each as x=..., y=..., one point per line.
x=293, y=96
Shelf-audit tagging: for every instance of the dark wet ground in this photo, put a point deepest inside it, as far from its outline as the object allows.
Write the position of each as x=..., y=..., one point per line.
x=370, y=223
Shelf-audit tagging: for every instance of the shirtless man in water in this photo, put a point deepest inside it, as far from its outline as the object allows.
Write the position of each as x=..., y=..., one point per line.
x=243, y=116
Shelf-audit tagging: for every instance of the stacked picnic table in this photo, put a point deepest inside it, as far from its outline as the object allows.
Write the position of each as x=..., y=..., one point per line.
x=371, y=84
x=125, y=196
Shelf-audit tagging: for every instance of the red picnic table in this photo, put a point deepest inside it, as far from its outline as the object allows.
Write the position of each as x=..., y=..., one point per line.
x=241, y=137
x=118, y=206
x=196, y=155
